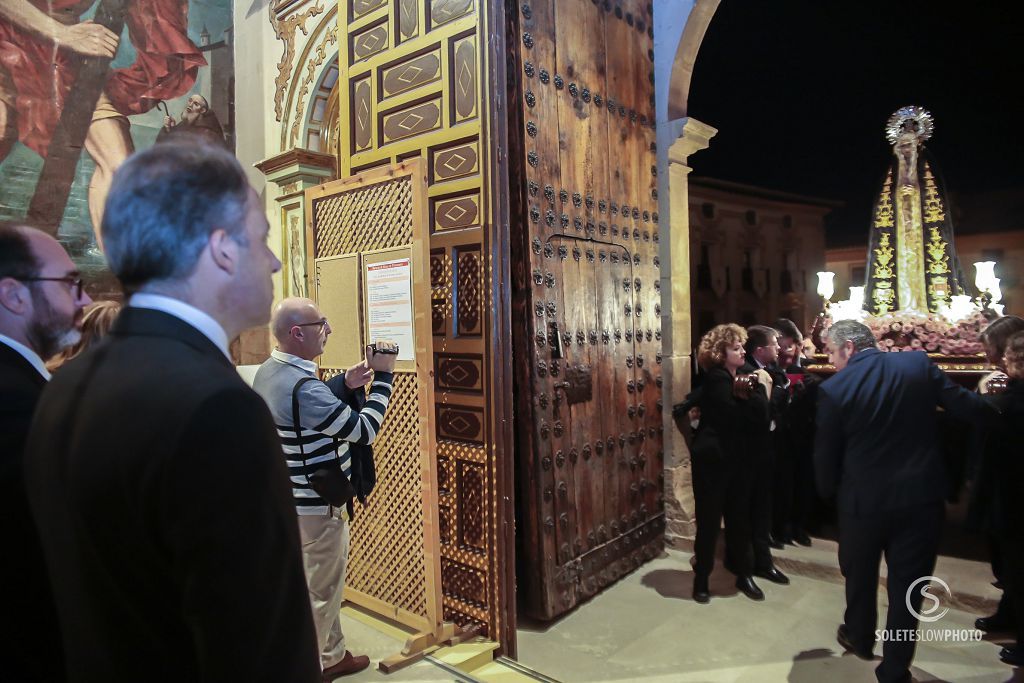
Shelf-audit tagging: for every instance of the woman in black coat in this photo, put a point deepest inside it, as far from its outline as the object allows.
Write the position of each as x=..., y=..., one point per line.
x=721, y=481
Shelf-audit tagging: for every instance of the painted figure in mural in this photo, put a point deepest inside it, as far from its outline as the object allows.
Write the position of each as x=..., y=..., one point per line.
x=912, y=260
x=197, y=119
x=42, y=41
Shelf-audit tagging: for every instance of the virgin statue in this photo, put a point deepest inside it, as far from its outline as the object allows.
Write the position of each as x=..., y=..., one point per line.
x=912, y=263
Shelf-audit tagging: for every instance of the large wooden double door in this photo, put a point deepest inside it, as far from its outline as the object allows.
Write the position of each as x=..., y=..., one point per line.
x=586, y=309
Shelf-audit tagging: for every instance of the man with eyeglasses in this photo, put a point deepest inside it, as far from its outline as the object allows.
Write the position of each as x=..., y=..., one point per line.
x=153, y=471
x=328, y=427
x=41, y=303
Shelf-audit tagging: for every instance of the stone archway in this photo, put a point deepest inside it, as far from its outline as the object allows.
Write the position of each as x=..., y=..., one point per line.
x=679, y=136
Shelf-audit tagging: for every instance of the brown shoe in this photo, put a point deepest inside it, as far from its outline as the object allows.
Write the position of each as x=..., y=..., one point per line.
x=349, y=664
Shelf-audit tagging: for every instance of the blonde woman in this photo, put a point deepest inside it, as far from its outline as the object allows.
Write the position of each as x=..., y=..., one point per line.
x=719, y=458
x=96, y=322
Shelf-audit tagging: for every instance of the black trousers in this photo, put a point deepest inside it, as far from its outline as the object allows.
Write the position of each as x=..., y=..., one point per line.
x=762, y=490
x=721, y=488
x=1011, y=551
x=784, y=478
x=909, y=538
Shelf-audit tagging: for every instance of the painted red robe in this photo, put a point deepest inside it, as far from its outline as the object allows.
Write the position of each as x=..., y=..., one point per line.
x=166, y=65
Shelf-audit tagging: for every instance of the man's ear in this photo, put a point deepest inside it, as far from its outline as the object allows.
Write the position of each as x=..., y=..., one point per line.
x=223, y=251
x=14, y=296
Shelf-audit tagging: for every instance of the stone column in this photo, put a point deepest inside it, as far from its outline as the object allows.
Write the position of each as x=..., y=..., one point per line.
x=677, y=345
x=289, y=173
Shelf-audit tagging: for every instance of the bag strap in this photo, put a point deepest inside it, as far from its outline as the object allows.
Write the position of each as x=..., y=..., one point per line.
x=297, y=426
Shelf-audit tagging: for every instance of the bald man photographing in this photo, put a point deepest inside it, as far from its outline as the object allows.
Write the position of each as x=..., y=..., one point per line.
x=318, y=424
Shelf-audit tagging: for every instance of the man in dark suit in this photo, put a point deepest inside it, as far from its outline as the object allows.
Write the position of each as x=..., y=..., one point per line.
x=41, y=302
x=154, y=472
x=876, y=451
x=762, y=349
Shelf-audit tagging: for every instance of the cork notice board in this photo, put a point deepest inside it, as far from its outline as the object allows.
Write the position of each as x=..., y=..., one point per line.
x=338, y=292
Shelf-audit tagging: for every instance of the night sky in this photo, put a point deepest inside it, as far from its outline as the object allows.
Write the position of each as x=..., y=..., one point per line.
x=800, y=92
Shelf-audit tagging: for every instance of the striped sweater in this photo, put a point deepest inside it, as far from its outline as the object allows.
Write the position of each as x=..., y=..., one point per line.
x=322, y=416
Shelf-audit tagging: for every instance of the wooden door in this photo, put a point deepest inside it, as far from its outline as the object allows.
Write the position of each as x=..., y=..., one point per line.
x=586, y=307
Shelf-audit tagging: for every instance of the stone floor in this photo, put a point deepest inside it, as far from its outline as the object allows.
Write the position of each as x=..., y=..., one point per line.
x=647, y=628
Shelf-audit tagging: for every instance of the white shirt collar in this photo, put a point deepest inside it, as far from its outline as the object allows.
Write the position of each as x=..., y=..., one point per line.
x=188, y=313
x=303, y=364
x=29, y=355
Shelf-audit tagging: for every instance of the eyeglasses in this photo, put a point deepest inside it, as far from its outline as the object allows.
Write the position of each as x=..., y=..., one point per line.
x=321, y=323
x=74, y=281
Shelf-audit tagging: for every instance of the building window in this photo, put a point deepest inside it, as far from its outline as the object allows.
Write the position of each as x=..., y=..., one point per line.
x=750, y=217
x=858, y=276
x=704, y=269
x=787, y=221
x=747, y=274
x=705, y=321
x=707, y=209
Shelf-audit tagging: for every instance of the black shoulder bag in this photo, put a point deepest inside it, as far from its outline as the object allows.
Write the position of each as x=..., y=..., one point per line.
x=328, y=481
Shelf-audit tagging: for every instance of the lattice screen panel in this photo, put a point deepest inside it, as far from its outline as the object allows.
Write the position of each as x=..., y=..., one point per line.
x=374, y=217
x=389, y=530
x=388, y=568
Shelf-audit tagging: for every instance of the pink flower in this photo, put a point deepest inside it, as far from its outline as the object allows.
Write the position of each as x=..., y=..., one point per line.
x=915, y=343
x=889, y=342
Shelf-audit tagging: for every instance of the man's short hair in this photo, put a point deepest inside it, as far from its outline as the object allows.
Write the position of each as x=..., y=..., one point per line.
x=17, y=259
x=787, y=328
x=164, y=203
x=759, y=335
x=852, y=331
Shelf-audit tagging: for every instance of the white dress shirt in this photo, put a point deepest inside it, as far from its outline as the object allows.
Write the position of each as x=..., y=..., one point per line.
x=188, y=313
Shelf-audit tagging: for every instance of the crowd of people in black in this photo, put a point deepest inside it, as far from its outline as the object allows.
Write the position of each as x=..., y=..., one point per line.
x=772, y=443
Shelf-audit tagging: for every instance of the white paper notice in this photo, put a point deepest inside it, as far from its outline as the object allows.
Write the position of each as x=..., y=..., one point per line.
x=389, y=303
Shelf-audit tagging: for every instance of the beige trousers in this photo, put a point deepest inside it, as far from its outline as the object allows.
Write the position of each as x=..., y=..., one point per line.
x=325, y=554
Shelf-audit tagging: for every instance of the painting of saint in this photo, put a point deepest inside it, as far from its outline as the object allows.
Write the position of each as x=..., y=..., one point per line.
x=161, y=60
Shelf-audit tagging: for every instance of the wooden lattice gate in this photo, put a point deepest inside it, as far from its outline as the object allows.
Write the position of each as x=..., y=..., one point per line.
x=359, y=225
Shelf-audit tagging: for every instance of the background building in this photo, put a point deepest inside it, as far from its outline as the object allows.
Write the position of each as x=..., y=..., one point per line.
x=754, y=253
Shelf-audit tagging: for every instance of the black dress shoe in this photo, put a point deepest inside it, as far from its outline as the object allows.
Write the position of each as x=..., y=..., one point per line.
x=772, y=574
x=701, y=593
x=994, y=624
x=802, y=539
x=1013, y=655
x=746, y=585
x=775, y=544
x=843, y=638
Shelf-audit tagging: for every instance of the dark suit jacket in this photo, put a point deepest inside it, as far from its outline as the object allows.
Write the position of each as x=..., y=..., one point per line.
x=875, y=440
x=29, y=636
x=164, y=507
x=763, y=441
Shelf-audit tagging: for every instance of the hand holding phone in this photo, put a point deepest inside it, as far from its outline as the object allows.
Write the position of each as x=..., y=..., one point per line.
x=381, y=356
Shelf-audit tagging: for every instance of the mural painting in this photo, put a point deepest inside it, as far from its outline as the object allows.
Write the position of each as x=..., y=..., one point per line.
x=83, y=84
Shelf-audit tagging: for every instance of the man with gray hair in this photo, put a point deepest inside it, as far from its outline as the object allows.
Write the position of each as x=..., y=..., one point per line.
x=153, y=471
x=318, y=428
x=876, y=451
x=41, y=303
